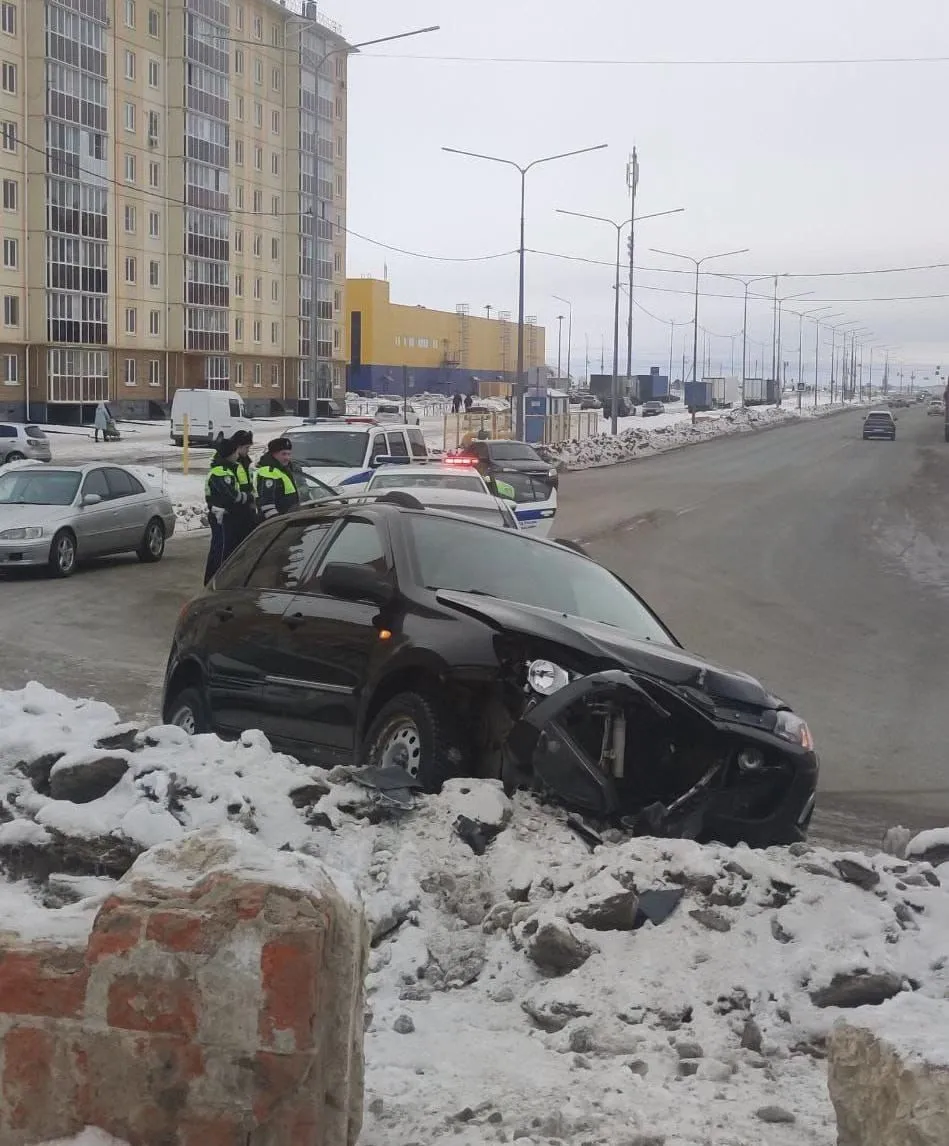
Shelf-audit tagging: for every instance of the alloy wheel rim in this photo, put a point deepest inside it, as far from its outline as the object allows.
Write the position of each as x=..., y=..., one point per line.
x=184, y=719
x=402, y=748
x=156, y=542
x=65, y=555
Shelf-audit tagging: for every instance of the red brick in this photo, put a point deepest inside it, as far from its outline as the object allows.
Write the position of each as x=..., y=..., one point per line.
x=279, y=1078
x=153, y=1005
x=27, y=1075
x=290, y=971
x=117, y=930
x=179, y=931
x=43, y=981
x=222, y=891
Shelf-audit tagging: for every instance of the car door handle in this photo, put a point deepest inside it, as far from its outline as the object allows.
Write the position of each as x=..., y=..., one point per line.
x=225, y=614
x=294, y=621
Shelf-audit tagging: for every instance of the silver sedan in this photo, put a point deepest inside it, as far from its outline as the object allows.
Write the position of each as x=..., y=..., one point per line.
x=58, y=516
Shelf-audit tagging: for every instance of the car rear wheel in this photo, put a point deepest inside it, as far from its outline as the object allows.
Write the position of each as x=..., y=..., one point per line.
x=62, y=554
x=187, y=711
x=415, y=732
x=15, y=456
x=152, y=548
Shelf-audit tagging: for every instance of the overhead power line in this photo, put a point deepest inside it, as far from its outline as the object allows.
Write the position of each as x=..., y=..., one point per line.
x=824, y=61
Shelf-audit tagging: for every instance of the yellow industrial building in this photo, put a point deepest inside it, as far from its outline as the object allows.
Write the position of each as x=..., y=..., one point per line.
x=393, y=347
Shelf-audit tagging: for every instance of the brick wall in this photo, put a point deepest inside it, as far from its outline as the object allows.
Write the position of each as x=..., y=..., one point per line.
x=219, y=1009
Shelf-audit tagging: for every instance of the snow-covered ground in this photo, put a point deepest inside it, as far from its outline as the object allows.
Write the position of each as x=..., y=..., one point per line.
x=520, y=992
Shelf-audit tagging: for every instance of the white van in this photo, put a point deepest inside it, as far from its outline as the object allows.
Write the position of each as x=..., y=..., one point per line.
x=343, y=452
x=212, y=416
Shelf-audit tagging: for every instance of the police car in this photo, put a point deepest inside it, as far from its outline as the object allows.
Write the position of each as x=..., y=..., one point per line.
x=346, y=452
x=445, y=480
x=514, y=470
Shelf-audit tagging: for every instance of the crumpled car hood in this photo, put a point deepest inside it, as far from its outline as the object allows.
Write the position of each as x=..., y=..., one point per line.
x=608, y=645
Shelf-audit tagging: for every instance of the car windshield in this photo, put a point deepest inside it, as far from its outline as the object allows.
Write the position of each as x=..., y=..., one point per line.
x=512, y=452
x=343, y=448
x=470, y=482
x=456, y=555
x=39, y=487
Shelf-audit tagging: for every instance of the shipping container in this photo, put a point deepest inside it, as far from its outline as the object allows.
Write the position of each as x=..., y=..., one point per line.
x=699, y=395
x=651, y=387
x=756, y=392
x=773, y=392
x=602, y=385
x=726, y=391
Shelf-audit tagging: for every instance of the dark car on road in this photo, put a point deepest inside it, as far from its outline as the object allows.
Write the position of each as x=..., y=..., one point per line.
x=379, y=634
x=879, y=425
x=652, y=409
x=495, y=457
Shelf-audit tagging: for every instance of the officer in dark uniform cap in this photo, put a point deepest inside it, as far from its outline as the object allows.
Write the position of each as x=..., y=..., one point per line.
x=275, y=481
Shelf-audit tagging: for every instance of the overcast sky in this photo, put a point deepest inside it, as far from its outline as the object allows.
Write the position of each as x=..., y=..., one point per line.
x=812, y=167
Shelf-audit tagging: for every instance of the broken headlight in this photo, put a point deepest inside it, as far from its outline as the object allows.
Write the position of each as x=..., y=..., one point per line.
x=791, y=728
x=545, y=678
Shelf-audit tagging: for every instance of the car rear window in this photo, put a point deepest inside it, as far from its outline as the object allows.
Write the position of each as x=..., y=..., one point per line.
x=35, y=432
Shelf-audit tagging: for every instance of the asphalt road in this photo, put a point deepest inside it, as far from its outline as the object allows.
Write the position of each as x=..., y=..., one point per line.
x=801, y=554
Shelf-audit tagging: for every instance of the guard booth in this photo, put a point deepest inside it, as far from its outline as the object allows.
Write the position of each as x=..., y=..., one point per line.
x=546, y=417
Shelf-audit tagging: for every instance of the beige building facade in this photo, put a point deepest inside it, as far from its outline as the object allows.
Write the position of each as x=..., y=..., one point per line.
x=169, y=170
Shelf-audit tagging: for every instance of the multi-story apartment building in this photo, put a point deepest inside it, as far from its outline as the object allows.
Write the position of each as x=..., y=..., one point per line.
x=170, y=170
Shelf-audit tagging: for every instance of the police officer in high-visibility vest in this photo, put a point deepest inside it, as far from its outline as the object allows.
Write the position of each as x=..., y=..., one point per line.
x=275, y=482
x=226, y=505
x=246, y=516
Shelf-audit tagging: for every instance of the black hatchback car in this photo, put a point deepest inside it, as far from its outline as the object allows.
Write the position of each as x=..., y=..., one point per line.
x=500, y=457
x=373, y=633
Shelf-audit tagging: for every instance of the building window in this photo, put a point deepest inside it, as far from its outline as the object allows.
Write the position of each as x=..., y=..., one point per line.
x=240, y=17
x=258, y=202
x=11, y=253
x=275, y=290
x=131, y=319
x=129, y=116
x=154, y=224
x=238, y=330
x=275, y=122
x=275, y=332
x=338, y=263
x=130, y=378
x=275, y=38
x=10, y=194
x=339, y=147
x=238, y=374
x=258, y=28
x=275, y=205
x=154, y=175
x=274, y=374
x=154, y=22
x=130, y=169
x=275, y=79
x=258, y=114
x=8, y=77
x=239, y=109
x=238, y=286
x=8, y=18
x=340, y=186
x=154, y=273
x=130, y=13
x=9, y=136
x=257, y=287
x=257, y=374
x=11, y=369
x=258, y=70
x=154, y=322
x=239, y=152
x=239, y=242
x=258, y=158
x=11, y=310
x=130, y=65
x=339, y=107
x=275, y=163
x=130, y=269
x=129, y=219
x=153, y=73
x=154, y=372
x=240, y=196
x=337, y=300
x=238, y=62
x=256, y=246
x=336, y=338
x=257, y=330
x=153, y=124
x=275, y=248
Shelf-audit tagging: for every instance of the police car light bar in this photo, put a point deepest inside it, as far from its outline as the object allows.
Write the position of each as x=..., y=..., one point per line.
x=457, y=460
x=391, y=460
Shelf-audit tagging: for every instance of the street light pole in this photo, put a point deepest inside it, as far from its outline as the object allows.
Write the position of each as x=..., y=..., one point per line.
x=341, y=49
x=698, y=263
x=632, y=182
x=569, y=332
x=559, y=344
x=521, y=386
x=744, y=325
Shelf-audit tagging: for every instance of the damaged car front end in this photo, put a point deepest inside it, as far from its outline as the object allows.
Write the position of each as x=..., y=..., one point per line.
x=666, y=759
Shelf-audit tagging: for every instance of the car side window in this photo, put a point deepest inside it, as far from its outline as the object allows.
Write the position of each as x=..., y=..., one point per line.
x=378, y=448
x=95, y=482
x=285, y=562
x=122, y=484
x=417, y=444
x=234, y=407
x=357, y=543
x=7, y=431
x=396, y=445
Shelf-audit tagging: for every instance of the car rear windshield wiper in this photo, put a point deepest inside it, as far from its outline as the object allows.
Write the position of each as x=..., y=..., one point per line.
x=473, y=592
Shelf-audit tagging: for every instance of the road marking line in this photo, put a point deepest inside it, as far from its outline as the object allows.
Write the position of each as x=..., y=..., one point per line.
x=688, y=509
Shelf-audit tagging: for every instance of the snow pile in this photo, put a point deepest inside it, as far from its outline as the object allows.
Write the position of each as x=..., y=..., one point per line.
x=645, y=991
x=644, y=440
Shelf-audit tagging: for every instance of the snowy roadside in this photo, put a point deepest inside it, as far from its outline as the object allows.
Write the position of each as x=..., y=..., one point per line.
x=583, y=1020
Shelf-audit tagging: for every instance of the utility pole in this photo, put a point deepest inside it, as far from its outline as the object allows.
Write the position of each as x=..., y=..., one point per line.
x=559, y=345
x=672, y=328
x=774, y=334
x=632, y=182
x=586, y=359
x=487, y=310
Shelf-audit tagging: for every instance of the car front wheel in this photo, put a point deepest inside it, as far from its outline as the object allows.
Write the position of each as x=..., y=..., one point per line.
x=15, y=456
x=62, y=554
x=152, y=548
x=414, y=731
x=187, y=711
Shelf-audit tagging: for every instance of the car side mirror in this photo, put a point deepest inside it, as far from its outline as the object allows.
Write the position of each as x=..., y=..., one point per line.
x=91, y=499
x=356, y=583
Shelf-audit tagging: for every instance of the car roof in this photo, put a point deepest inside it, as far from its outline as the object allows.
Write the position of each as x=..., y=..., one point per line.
x=435, y=496
x=350, y=424
x=880, y=410
x=80, y=468
x=437, y=468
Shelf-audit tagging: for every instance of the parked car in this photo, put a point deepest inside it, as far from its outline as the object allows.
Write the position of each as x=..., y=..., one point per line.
x=375, y=634
x=651, y=409
x=477, y=506
x=59, y=517
x=213, y=415
x=516, y=471
x=624, y=409
x=879, y=425
x=502, y=455
x=343, y=453
x=23, y=441
x=398, y=413
x=434, y=474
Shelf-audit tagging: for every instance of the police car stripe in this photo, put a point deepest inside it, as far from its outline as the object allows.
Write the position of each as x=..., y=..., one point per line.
x=357, y=479
x=534, y=514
